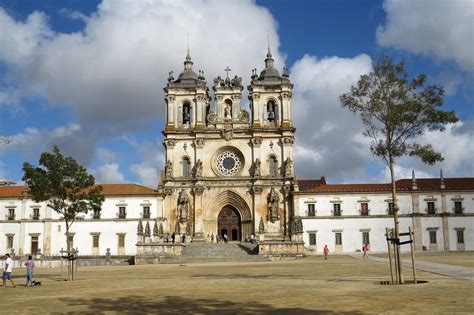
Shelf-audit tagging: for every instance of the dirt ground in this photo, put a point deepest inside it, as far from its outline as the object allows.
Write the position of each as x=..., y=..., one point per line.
x=312, y=285
x=464, y=259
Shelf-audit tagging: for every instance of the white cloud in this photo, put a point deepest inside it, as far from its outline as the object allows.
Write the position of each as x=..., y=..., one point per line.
x=455, y=145
x=148, y=174
x=108, y=173
x=436, y=28
x=113, y=71
x=33, y=141
x=106, y=155
x=328, y=137
x=151, y=154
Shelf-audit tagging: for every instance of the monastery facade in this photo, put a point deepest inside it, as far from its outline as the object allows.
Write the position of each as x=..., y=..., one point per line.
x=229, y=171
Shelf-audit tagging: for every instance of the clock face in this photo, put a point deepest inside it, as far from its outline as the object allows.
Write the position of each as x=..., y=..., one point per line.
x=228, y=163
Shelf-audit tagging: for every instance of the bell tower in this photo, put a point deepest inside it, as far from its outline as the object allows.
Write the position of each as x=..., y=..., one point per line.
x=270, y=96
x=187, y=99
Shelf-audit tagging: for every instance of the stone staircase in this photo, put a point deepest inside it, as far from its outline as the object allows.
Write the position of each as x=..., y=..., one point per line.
x=222, y=252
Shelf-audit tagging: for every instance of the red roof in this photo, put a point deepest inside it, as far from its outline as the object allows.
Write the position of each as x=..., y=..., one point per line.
x=423, y=184
x=305, y=184
x=107, y=190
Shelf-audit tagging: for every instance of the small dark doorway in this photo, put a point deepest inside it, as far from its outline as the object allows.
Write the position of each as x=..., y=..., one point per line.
x=229, y=222
x=34, y=245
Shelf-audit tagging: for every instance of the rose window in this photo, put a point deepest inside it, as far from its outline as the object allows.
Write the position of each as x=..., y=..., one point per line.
x=228, y=163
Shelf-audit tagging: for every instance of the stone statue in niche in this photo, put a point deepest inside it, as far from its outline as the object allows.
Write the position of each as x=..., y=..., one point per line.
x=168, y=169
x=198, y=169
x=257, y=168
x=183, y=206
x=273, y=203
x=288, y=167
x=227, y=111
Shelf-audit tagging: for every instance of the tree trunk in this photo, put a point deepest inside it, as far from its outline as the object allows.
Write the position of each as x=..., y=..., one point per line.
x=68, y=248
x=398, y=266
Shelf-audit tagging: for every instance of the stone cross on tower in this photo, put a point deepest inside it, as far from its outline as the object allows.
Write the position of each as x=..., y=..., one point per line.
x=227, y=69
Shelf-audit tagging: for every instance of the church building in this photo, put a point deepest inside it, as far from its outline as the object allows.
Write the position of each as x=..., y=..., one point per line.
x=229, y=172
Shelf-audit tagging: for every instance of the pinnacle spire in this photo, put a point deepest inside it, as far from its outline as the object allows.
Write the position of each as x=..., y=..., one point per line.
x=269, y=53
x=188, y=56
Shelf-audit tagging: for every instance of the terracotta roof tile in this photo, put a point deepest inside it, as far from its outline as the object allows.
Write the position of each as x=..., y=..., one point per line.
x=12, y=191
x=466, y=183
x=107, y=190
x=305, y=184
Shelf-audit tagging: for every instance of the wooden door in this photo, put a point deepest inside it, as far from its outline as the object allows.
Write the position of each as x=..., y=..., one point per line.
x=229, y=223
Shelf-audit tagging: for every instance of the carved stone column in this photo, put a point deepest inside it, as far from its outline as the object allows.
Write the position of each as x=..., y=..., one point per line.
x=198, y=224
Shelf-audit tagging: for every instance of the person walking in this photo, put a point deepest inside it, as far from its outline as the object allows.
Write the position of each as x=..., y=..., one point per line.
x=7, y=271
x=365, y=249
x=326, y=252
x=30, y=265
x=226, y=238
x=173, y=237
x=212, y=238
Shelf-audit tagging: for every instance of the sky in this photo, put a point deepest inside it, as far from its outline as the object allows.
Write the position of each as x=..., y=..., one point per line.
x=88, y=76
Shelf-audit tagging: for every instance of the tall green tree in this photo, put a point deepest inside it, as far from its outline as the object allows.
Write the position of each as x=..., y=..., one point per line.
x=396, y=110
x=65, y=185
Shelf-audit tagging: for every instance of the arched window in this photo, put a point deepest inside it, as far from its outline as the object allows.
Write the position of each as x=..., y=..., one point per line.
x=273, y=166
x=271, y=111
x=186, y=167
x=186, y=113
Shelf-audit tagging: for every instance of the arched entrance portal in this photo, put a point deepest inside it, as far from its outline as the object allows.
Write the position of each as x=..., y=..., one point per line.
x=230, y=223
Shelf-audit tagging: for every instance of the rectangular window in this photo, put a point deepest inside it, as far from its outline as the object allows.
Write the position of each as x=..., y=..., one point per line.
x=11, y=215
x=364, y=208
x=365, y=238
x=337, y=209
x=36, y=214
x=431, y=207
x=273, y=166
x=121, y=241
x=146, y=212
x=96, y=214
x=312, y=238
x=432, y=237
x=122, y=213
x=391, y=208
x=95, y=241
x=186, y=168
x=338, y=238
x=458, y=207
x=10, y=241
x=34, y=245
x=460, y=236
x=311, y=210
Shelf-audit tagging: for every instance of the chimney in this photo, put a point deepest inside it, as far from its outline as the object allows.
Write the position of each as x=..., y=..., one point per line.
x=442, y=186
x=414, y=186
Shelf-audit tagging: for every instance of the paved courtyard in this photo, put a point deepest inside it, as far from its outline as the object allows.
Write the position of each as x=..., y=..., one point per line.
x=340, y=284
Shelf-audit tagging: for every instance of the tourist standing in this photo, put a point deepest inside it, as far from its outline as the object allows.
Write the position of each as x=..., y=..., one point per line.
x=226, y=239
x=326, y=252
x=7, y=270
x=183, y=238
x=30, y=265
x=252, y=238
x=365, y=249
x=173, y=237
x=212, y=238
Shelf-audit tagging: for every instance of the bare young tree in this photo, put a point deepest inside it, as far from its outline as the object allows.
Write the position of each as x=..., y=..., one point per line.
x=396, y=111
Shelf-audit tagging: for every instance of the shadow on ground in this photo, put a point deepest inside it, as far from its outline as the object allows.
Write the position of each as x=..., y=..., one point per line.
x=177, y=305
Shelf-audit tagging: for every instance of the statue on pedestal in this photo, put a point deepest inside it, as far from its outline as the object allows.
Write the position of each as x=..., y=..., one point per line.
x=273, y=203
x=183, y=206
